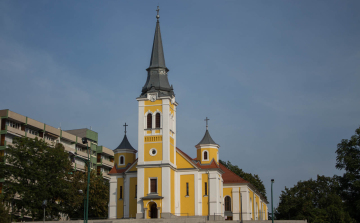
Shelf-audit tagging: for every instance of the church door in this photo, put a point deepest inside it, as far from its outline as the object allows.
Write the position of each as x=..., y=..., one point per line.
x=154, y=211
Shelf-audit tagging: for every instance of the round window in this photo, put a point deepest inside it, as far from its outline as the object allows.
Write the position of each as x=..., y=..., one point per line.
x=153, y=152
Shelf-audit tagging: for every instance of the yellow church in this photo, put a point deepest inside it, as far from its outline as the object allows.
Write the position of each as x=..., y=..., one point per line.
x=158, y=180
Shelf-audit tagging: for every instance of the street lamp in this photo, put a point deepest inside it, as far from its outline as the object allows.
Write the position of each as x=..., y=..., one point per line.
x=44, y=203
x=87, y=162
x=272, y=208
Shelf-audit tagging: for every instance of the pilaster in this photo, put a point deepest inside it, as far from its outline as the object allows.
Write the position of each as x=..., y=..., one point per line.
x=112, y=198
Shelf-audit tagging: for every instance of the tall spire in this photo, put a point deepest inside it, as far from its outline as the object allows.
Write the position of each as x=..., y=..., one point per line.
x=157, y=79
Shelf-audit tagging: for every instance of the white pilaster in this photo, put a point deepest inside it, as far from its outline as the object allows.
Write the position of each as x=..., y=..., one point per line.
x=141, y=133
x=112, y=198
x=140, y=192
x=245, y=203
x=166, y=130
x=177, y=193
x=166, y=189
x=236, y=203
x=213, y=193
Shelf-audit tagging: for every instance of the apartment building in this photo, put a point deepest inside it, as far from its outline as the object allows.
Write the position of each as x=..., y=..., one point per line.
x=16, y=125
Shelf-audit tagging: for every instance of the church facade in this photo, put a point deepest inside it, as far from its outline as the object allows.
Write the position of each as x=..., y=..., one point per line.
x=158, y=180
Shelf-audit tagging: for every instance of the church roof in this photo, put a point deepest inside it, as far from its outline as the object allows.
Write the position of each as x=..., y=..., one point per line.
x=121, y=170
x=157, y=78
x=230, y=177
x=207, y=139
x=125, y=144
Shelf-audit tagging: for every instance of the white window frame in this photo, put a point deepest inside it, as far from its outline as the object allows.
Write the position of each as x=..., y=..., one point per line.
x=120, y=160
x=150, y=152
x=157, y=184
x=202, y=157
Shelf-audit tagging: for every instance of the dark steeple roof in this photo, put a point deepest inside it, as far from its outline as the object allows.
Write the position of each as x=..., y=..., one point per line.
x=157, y=78
x=207, y=139
x=125, y=144
x=157, y=54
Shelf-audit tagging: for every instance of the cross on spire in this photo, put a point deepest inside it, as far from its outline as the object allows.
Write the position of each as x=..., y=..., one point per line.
x=125, y=127
x=158, y=16
x=206, y=122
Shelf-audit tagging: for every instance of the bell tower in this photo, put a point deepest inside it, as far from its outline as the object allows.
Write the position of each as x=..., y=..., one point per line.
x=156, y=137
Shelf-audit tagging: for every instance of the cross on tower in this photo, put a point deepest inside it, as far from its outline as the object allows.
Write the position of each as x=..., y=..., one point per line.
x=206, y=122
x=158, y=16
x=125, y=127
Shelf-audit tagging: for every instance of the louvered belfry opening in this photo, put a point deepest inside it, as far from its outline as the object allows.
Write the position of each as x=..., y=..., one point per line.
x=153, y=185
x=157, y=120
x=149, y=121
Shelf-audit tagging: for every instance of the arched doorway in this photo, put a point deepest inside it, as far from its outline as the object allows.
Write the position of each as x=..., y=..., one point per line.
x=153, y=211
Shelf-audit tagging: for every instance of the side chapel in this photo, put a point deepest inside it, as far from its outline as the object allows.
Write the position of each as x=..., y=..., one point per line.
x=165, y=182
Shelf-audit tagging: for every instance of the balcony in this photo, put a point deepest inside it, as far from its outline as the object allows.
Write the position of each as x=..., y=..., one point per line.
x=15, y=131
x=107, y=163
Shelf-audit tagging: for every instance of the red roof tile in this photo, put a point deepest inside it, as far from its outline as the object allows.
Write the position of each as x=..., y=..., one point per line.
x=115, y=170
x=231, y=177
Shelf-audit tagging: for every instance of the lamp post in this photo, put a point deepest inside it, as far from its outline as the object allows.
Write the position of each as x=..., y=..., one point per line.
x=87, y=162
x=44, y=206
x=272, y=207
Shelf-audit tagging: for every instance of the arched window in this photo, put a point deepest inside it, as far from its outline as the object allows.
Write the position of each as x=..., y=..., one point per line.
x=157, y=120
x=149, y=121
x=205, y=155
x=121, y=160
x=227, y=203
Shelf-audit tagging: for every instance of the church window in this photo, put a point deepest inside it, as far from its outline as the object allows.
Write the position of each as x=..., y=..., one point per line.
x=121, y=160
x=157, y=118
x=120, y=193
x=135, y=191
x=153, y=185
x=227, y=203
x=187, y=189
x=153, y=152
x=205, y=189
x=206, y=155
x=149, y=121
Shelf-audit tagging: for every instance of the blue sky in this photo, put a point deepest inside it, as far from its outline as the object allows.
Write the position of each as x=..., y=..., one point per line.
x=279, y=80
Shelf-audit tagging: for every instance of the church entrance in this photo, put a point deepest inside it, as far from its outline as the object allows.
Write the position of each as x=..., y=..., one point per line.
x=153, y=210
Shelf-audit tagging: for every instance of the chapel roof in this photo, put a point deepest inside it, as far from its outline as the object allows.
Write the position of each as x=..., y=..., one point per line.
x=207, y=139
x=125, y=144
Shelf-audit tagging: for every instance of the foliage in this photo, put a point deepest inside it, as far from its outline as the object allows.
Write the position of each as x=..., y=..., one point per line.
x=348, y=159
x=254, y=179
x=4, y=211
x=315, y=200
x=98, y=194
x=33, y=172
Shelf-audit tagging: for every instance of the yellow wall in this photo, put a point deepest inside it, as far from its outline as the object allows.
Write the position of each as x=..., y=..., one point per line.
x=133, y=168
x=187, y=203
x=120, y=203
x=149, y=173
x=212, y=154
x=172, y=149
x=172, y=180
x=181, y=162
x=205, y=199
x=148, y=147
x=153, y=109
x=157, y=102
x=129, y=158
x=132, y=198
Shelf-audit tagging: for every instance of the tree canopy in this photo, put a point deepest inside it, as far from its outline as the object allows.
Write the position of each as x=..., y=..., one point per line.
x=348, y=159
x=314, y=200
x=35, y=171
x=254, y=179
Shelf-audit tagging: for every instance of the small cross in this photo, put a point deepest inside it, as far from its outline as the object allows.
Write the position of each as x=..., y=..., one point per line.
x=125, y=127
x=206, y=122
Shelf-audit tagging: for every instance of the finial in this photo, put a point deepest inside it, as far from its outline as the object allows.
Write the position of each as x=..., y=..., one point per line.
x=206, y=122
x=125, y=127
x=158, y=16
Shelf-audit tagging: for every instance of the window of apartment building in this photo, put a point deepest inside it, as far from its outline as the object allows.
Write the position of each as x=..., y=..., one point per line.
x=13, y=124
x=49, y=138
x=205, y=189
x=187, y=189
x=32, y=131
x=153, y=185
x=121, y=192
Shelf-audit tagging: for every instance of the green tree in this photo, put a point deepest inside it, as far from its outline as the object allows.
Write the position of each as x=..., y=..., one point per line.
x=314, y=200
x=35, y=171
x=98, y=196
x=4, y=211
x=254, y=179
x=348, y=159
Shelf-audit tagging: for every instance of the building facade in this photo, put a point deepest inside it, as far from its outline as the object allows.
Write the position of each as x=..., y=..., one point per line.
x=16, y=125
x=165, y=182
